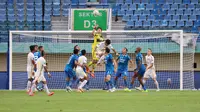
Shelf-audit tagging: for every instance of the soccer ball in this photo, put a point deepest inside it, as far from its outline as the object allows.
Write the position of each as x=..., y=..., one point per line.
x=169, y=81
x=96, y=12
x=40, y=86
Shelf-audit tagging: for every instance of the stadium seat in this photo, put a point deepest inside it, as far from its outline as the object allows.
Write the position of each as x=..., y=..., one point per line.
x=142, y=18
x=3, y=27
x=48, y=7
x=56, y=12
x=182, y=6
x=74, y=2
x=146, y=23
x=194, y=1
x=171, y=12
x=124, y=7
x=163, y=12
x=30, y=20
x=11, y=27
x=187, y=12
x=2, y=6
x=165, y=7
x=65, y=12
x=30, y=12
x=121, y=13
x=169, y=1
x=38, y=20
x=177, y=1
x=180, y=23
x=138, y=12
x=179, y=12
x=38, y=12
x=128, y=1
x=174, y=7
x=119, y=2
x=38, y=27
x=11, y=12
x=176, y=18
x=193, y=18
x=56, y=6
x=138, y=24
x=149, y=7
x=49, y=2
x=144, y=1
x=157, y=6
x=132, y=7
x=196, y=12
x=184, y=17
x=186, y=1
x=161, y=1
x=146, y=12
x=38, y=2
x=134, y=18
x=47, y=27
x=125, y=18
x=20, y=17
x=154, y=12
x=141, y=7
x=130, y=24
x=191, y=6
x=150, y=18
x=30, y=2
x=20, y=27
x=129, y=12
x=159, y=17
x=11, y=18
x=172, y=23
x=194, y=29
x=163, y=23
x=38, y=6
x=31, y=27
x=197, y=23
x=136, y=1
x=152, y=1
x=20, y=12
x=189, y=23
x=19, y=2
x=83, y=2
x=168, y=18
x=3, y=11
x=47, y=12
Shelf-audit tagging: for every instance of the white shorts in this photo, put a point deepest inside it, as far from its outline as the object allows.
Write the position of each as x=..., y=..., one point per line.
x=150, y=73
x=80, y=73
x=99, y=53
x=40, y=77
x=30, y=74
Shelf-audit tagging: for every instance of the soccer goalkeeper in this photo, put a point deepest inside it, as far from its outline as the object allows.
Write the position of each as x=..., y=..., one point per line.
x=97, y=34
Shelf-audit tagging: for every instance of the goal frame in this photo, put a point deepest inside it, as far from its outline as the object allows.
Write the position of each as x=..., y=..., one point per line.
x=112, y=31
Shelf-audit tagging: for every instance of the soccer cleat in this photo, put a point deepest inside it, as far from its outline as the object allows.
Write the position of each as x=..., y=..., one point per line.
x=68, y=89
x=92, y=74
x=138, y=88
x=80, y=90
x=51, y=94
x=31, y=94
x=127, y=90
x=157, y=90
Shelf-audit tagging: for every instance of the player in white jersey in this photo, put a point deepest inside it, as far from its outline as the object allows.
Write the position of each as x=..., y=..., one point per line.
x=100, y=49
x=80, y=73
x=30, y=66
x=39, y=75
x=150, y=69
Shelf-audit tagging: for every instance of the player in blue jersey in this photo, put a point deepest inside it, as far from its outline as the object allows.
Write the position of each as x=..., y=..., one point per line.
x=69, y=69
x=109, y=63
x=122, y=70
x=38, y=53
x=140, y=69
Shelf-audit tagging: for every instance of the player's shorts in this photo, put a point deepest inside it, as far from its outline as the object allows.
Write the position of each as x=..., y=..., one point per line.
x=121, y=73
x=40, y=77
x=30, y=73
x=80, y=73
x=109, y=72
x=70, y=73
x=150, y=73
x=141, y=71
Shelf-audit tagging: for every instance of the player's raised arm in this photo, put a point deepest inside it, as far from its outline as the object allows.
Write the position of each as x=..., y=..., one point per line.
x=94, y=30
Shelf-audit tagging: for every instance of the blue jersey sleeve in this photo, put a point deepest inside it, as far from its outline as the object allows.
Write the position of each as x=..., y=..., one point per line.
x=111, y=57
x=128, y=58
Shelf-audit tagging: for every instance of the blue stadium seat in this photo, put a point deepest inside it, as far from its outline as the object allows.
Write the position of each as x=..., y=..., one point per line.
x=138, y=12
x=198, y=6
x=20, y=12
x=168, y=18
x=47, y=27
x=125, y=18
x=47, y=19
x=31, y=27
x=189, y=23
x=30, y=6
x=171, y=12
x=180, y=23
x=30, y=2
x=161, y=2
x=188, y=12
x=65, y=12
x=169, y=1
x=38, y=2
x=121, y=13
x=38, y=12
x=192, y=18
x=11, y=27
x=157, y=6
x=38, y=20
x=30, y=20
x=11, y=18
x=194, y=1
x=20, y=27
x=47, y=12
x=154, y=12
x=119, y=2
x=2, y=6
x=11, y=12
x=141, y=7
x=48, y=6
x=166, y=7
x=2, y=11
x=184, y=17
x=74, y=2
x=159, y=17
x=172, y=23
x=146, y=12
x=138, y=24
x=174, y=6
x=38, y=27
x=20, y=2
x=20, y=6
x=194, y=29
x=182, y=6
x=152, y=1
x=136, y=1
x=144, y=1
x=191, y=6
x=179, y=12
x=176, y=18
x=66, y=6
x=38, y=6
x=56, y=12
x=146, y=23
x=20, y=18
x=130, y=24
x=149, y=7
x=132, y=7
x=163, y=23
x=142, y=18
x=196, y=12
x=56, y=6
x=3, y=27
x=163, y=12
x=186, y=1
x=129, y=12
x=49, y=2
x=197, y=23
x=83, y=2
x=128, y=1
x=9, y=6
x=124, y=7
x=150, y=18
x=134, y=18
x=177, y=1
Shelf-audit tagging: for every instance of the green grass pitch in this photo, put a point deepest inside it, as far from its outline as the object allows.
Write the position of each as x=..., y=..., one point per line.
x=101, y=101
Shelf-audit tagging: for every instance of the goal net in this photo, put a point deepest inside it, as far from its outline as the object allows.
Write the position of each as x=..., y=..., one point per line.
x=173, y=51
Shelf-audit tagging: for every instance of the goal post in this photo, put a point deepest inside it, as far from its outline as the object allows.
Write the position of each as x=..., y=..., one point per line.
x=173, y=50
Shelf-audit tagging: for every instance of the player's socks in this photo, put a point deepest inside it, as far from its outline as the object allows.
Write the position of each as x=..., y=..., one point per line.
x=144, y=88
x=107, y=85
x=46, y=89
x=32, y=89
x=87, y=85
x=28, y=86
x=111, y=83
x=82, y=84
x=130, y=86
x=125, y=83
x=90, y=63
x=67, y=83
x=157, y=85
x=115, y=83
